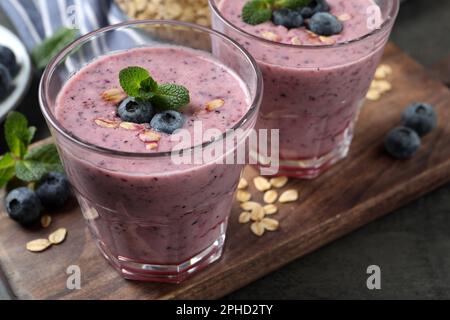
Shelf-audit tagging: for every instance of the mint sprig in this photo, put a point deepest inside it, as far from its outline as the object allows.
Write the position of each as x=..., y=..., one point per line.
x=26, y=165
x=45, y=51
x=256, y=12
x=138, y=83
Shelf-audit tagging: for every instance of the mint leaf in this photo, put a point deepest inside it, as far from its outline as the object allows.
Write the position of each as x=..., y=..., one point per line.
x=148, y=87
x=17, y=134
x=30, y=171
x=7, y=169
x=47, y=155
x=31, y=134
x=291, y=4
x=44, y=52
x=138, y=83
x=135, y=79
x=257, y=11
x=38, y=162
x=171, y=96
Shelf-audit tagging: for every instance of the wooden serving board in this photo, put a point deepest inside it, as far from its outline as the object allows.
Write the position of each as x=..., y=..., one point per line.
x=368, y=185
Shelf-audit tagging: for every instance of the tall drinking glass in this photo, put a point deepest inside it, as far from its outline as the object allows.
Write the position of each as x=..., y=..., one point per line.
x=152, y=219
x=312, y=92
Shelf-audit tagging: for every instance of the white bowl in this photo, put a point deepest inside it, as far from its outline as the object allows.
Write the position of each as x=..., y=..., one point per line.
x=22, y=79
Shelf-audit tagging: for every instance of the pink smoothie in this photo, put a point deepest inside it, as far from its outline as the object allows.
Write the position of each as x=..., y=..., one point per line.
x=313, y=86
x=141, y=210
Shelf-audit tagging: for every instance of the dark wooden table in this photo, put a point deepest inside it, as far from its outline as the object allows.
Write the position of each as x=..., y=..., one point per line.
x=412, y=245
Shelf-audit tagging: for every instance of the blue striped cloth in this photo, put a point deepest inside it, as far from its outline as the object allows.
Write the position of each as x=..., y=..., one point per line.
x=36, y=20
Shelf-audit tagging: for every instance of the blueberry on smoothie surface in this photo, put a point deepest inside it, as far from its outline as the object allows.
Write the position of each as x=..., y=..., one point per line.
x=23, y=206
x=320, y=6
x=325, y=24
x=306, y=12
x=5, y=82
x=402, y=143
x=287, y=18
x=167, y=121
x=420, y=117
x=135, y=110
x=8, y=59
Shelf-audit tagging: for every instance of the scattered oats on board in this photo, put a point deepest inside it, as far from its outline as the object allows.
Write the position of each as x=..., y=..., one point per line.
x=46, y=220
x=244, y=217
x=257, y=228
x=270, y=209
x=380, y=85
x=270, y=196
x=243, y=184
x=373, y=95
x=58, y=236
x=249, y=205
x=279, y=182
x=38, y=245
x=288, y=196
x=257, y=214
x=383, y=71
x=243, y=196
x=270, y=224
x=262, y=184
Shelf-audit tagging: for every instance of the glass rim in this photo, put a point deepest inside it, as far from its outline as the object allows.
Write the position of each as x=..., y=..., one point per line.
x=49, y=70
x=386, y=24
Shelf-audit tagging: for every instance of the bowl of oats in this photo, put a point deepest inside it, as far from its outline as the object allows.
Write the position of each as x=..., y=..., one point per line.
x=194, y=11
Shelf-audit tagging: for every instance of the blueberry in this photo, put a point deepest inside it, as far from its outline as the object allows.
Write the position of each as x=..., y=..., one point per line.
x=420, y=117
x=54, y=190
x=5, y=82
x=8, y=59
x=320, y=6
x=167, y=121
x=23, y=206
x=137, y=111
x=325, y=24
x=287, y=18
x=402, y=142
x=306, y=12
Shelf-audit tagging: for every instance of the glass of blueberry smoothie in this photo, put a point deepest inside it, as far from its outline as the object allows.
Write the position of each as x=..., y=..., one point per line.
x=318, y=58
x=134, y=109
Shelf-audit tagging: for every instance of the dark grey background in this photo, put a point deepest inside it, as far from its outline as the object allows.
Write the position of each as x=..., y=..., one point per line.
x=412, y=245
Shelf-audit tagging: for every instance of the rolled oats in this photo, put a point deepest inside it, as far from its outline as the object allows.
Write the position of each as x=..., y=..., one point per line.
x=288, y=196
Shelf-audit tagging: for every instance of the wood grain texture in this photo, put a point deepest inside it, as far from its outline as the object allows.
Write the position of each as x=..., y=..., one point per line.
x=368, y=185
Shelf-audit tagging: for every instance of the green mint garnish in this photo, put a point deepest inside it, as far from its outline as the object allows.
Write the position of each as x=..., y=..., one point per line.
x=26, y=165
x=137, y=83
x=44, y=52
x=291, y=4
x=171, y=96
x=256, y=12
x=17, y=134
